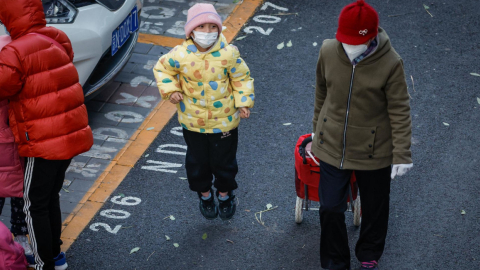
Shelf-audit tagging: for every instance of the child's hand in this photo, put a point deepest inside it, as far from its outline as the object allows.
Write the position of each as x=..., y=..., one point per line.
x=244, y=112
x=176, y=97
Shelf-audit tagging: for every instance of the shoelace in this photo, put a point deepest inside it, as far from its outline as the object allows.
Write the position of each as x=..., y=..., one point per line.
x=369, y=265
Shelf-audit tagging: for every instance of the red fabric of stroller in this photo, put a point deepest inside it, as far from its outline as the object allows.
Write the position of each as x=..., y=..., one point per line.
x=308, y=173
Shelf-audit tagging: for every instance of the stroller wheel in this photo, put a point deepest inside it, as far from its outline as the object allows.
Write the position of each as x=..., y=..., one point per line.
x=299, y=210
x=357, y=212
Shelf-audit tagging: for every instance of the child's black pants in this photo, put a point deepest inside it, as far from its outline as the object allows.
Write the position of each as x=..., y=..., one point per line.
x=208, y=155
x=43, y=181
x=375, y=197
x=17, y=218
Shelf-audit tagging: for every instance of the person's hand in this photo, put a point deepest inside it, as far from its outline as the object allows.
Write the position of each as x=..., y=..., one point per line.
x=400, y=169
x=244, y=112
x=176, y=97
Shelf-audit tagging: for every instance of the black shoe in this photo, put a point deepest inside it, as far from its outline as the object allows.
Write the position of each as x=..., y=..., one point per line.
x=226, y=208
x=208, y=208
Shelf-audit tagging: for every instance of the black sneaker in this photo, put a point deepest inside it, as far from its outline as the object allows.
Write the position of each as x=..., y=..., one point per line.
x=226, y=208
x=208, y=208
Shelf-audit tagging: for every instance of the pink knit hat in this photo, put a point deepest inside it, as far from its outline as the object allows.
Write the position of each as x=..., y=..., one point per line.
x=199, y=14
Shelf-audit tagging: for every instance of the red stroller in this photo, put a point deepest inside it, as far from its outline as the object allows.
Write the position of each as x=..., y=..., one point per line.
x=307, y=175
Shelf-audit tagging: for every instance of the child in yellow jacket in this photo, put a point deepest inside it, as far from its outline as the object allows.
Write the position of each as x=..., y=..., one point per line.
x=213, y=90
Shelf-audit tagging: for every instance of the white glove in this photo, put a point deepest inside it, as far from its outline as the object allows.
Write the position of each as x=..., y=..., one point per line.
x=313, y=134
x=400, y=169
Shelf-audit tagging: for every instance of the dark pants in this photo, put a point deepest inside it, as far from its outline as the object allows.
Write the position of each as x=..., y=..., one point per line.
x=43, y=181
x=209, y=155
x=17, y=218
x=375, y=196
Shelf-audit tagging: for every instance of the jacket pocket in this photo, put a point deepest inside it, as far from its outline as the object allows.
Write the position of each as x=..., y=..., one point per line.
x=331, y=136
x=360, y=142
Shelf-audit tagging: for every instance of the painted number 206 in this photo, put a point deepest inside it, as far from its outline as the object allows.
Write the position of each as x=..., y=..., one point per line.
x=115, y=213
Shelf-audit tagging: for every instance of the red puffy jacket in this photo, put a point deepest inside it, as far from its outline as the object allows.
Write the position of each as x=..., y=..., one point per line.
x=47, y=112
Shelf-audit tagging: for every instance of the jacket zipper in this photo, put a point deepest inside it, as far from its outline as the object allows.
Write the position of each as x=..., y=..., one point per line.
x=346, y=119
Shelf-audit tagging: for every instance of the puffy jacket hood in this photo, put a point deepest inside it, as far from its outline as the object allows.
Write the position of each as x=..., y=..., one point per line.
x=21, y=17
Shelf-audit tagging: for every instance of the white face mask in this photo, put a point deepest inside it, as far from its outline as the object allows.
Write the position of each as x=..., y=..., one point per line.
x=354, y=51
x=205, y=40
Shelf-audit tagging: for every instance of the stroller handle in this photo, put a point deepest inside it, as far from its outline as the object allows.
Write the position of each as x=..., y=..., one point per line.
x=306, y=141
x=302, y=150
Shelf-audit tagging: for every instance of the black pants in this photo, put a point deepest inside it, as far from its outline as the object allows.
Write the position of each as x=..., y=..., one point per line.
x=43, y=181
x=375, y=197
x=17, y=218
x=209, y=155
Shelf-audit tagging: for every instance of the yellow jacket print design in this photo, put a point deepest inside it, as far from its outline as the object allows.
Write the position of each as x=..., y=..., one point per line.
x=214, y=84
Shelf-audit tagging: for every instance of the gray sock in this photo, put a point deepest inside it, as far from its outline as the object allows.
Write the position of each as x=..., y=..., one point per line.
x=206, y=198
x=223, y=198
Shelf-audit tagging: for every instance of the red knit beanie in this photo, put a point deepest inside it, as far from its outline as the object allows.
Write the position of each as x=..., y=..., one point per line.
x=358, y=22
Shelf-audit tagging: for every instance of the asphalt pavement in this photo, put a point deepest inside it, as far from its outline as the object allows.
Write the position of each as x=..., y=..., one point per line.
x=434, y=214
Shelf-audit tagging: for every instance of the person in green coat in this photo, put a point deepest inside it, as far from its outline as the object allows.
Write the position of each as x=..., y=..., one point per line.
x=361, y=124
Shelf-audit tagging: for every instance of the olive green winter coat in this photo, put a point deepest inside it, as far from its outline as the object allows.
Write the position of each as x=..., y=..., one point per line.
x=362, y=113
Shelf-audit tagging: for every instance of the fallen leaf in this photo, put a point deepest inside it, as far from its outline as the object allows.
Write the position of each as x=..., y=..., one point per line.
x=183, y=178
x=426, y=9
x=269, y=206
x=463, y=212
x=259, y=217
x=446, y=124
x=176, y=245
x=149, y=256
x=475, y=74
x=150, y=128
x=134, y=250
x=204, y=236
x=167, y=237
x=478, y=100
x=240, y=38
x=287, y=124
x=289, y=44
x=121, y=195
x=280, y=46
x=147, y=155
x=172, y=217
x=247, y=210
x=66, y=190
x=315, y=44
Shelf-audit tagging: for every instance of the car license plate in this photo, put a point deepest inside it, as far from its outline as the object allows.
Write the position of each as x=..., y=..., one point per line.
x=124, y=30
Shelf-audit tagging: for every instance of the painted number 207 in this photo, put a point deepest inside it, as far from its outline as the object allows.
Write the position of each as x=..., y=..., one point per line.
x=115, y=213
x=265, y=19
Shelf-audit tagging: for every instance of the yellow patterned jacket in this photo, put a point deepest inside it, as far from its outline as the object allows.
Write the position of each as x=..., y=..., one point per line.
x=214, y=84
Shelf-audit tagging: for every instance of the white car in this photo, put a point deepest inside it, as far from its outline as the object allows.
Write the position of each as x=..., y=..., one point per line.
x=103, y=35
